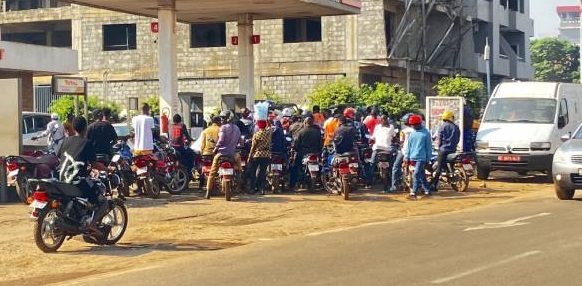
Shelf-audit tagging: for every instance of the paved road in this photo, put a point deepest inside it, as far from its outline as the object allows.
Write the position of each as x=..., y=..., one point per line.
x=531, y=241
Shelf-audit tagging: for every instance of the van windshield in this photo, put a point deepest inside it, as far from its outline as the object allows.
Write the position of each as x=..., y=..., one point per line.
x=521, y=110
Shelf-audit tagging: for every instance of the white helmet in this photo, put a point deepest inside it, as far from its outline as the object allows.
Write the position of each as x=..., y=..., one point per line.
x=287, y=112
x=54, y=116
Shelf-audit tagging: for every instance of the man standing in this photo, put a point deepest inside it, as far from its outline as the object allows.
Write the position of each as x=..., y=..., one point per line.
x=308, y=141
x=372, y=120
x=143, y=126
x=101, y=134
x=228, y=139
x=397, y=167
x=55, y=132
x=383, y=137
x=448, y=139
x=260, y=156
x=318, y=118
x=419, y=150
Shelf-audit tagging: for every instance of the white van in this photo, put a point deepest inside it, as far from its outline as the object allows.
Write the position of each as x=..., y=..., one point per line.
x=522, y=125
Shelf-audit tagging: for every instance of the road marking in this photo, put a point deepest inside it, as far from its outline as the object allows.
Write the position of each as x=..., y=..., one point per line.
x=102, y=276
x=509, y=223
x=485, y=267
x=356, y=226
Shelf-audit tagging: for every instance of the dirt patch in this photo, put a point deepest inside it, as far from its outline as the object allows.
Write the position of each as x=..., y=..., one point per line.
x=173, y=227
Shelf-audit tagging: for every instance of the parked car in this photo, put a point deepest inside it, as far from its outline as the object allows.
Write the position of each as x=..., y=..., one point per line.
x=33, y=123
x=523, y=123
x=567, y=166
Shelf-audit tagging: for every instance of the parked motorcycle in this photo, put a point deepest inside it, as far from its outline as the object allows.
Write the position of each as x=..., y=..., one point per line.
x=145, y=168
x=384, y=161
x=275, y=172
x=311, y=170
x=340, y=173
x=41, y=165
x=169, y=173
x=59, y=210
x=121, y=163
x=456, y=172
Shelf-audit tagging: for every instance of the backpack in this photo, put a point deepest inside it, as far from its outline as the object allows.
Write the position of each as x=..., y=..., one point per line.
x=177, y=135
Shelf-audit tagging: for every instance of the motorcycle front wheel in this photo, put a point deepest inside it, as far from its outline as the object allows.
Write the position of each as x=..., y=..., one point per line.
x=114, y=223
x=46, y=236
x=179, y=182
x=346, y=188
x=460, y=180
x=22, y=188
x=152, y=187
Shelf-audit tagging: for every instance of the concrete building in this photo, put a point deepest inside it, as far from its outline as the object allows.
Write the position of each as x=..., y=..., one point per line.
x=118, y=52
x=569, y=23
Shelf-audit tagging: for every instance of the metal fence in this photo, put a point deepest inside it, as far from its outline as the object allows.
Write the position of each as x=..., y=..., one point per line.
x=43, y=96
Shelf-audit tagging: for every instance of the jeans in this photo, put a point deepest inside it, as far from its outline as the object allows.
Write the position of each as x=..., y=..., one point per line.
x=258, y=164
x=294, y=169
x=419, y=178
x=397, y=171
x=441, y=163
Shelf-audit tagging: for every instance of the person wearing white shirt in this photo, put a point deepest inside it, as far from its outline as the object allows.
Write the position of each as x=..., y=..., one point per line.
x=143, y=126
x=383, y=135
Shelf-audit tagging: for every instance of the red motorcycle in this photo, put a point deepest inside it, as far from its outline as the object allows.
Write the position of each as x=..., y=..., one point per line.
x=145, y=167
x=40, y=165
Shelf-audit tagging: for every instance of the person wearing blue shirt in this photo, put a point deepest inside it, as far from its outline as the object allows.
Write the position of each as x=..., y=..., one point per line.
x=418, y=150
x=448, y=138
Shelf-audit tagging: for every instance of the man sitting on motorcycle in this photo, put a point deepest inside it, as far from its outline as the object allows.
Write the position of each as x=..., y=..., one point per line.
x=228, y=139
x=180, y=140
x=449, y=136
x=383, y=135
x=77, y=158
x=308, y=141
x=361, y=137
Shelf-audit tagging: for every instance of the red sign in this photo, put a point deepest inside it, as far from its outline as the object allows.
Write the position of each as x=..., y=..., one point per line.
x=154, y=27
x=234, y=40
x=1, y=54
x=255, y=39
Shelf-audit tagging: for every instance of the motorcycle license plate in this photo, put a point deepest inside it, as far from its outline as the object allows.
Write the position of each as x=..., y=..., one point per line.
x=243, y=163
x=38, y=205
x=384, y=165
x=277, y=167
x=141, y=171
x=313, y=168
x=115, y=158
x=353, y=165
x=227, y=172
x=468, y=167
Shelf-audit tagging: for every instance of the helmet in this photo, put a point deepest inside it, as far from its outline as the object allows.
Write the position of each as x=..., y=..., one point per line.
x=287, y=112
x=448, y=115
x=54, y=116
x=415, y=120
x=406, y=117
x=226, y=115
x=350, y=113
x=306, y=113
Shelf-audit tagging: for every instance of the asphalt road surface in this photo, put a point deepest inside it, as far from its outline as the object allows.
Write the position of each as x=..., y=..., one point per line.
x=531, y=241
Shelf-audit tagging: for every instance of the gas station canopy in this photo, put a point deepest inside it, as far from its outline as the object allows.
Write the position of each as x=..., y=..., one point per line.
x=201, y=11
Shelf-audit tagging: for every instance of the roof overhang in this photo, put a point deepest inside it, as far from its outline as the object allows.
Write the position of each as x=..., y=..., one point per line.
x=38, y=60
x=202, y=11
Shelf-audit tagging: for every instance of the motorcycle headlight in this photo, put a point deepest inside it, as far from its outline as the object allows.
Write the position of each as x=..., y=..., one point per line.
x=482, y=145
x=540, y=145
x=559, y=156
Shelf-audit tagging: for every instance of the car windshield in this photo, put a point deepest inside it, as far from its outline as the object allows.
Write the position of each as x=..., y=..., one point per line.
x=521, y=110
x=121, y=129
x=578, y=134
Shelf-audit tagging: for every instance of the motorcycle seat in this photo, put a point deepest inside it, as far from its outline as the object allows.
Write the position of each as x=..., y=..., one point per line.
x=383, y=156
x=50, y=160
x=53, y=186
x=452, y=157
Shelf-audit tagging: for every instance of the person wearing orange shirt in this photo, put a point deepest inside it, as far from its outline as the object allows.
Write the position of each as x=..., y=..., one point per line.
x=318, y=118
x=330, y=126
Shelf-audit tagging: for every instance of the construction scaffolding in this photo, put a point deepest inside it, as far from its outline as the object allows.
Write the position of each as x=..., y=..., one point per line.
x=430, y=34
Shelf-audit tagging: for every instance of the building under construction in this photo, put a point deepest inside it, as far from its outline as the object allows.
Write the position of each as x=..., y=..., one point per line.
x=409, y=42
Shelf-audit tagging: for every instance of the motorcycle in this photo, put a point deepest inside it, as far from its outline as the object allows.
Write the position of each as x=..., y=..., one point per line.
x=121, y=162
x=339, y=173
x=276, y=171
x=20, y=169
x=144, y=167
x=311, y=170
x=456, y=172
x=169, y=173
x=59, y=210
x=227, y=178
x=383, y=167
x=244, y=149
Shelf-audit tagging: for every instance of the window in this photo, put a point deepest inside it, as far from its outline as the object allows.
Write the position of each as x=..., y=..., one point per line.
x=563, y=118
x=301, y=30
x=119, y=37
x=521, y=110
x=40, y=122
x=28, y=125
x=388, y=26
x=208, y=35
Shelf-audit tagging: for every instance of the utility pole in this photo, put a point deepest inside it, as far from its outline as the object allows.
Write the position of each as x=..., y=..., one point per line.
x=423, y=61
x=487, y=58
x=580, y=44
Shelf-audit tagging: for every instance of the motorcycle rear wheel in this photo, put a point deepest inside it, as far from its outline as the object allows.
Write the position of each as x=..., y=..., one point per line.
x=460, y=180
x=44, y=229
x=152, y=187
x=22, y=188
x=275, y=183
x=226, y=188
x=346, y=189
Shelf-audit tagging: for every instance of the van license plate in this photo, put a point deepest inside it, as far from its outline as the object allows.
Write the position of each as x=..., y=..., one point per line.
x=580, y=172
x=509, y=158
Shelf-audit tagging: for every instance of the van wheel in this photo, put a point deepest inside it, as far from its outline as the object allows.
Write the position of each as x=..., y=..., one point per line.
x=564, y=194
x=483, y=173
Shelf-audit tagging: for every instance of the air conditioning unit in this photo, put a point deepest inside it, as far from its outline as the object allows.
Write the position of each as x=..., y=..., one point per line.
x=3, y=6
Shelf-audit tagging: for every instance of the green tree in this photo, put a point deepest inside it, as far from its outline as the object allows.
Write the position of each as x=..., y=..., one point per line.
x=65, y=105
x=330, y=94
x=555, y=60
x=391, y=97
x=269, y=95
x=471, y=90
x=154, y=103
